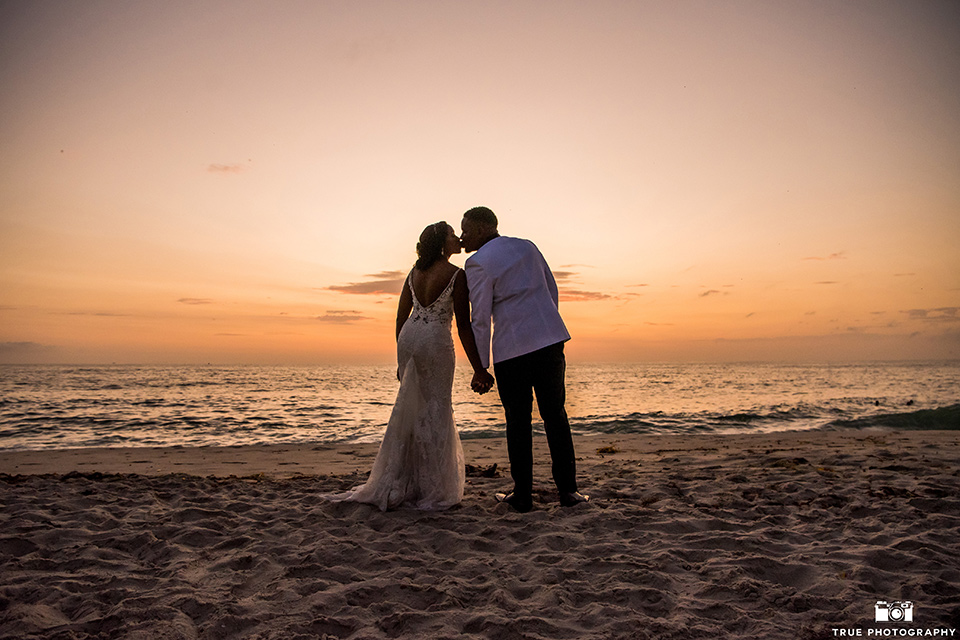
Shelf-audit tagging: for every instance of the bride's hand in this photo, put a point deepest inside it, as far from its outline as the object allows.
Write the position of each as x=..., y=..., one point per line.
x=482, y=381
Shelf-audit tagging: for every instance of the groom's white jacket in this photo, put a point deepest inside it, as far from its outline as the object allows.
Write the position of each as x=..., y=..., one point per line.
x=512, y=286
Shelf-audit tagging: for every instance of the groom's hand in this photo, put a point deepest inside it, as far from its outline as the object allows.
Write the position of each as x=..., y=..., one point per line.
x=482, y=381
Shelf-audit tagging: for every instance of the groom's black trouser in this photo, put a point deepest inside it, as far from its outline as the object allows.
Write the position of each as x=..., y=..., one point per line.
x=518, y=378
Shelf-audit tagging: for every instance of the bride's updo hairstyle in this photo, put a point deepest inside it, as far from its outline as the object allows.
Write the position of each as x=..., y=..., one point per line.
x=430, y=247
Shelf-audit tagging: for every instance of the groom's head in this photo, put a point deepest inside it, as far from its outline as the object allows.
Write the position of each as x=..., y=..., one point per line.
x=477, y=227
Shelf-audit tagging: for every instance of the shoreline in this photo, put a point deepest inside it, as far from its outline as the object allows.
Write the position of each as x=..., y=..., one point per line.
x=774, y=536
x=320, y=459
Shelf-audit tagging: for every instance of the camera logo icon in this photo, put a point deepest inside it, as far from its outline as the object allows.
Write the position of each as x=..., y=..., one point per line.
x=898, y=611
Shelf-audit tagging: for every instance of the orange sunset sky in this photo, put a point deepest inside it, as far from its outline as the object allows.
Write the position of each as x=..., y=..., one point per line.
x=244, y=181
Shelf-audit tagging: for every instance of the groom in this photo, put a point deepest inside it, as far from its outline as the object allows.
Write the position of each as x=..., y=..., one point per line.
x=511, y=284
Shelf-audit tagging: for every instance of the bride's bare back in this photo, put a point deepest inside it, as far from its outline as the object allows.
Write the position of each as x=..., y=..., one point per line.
x=430, y=283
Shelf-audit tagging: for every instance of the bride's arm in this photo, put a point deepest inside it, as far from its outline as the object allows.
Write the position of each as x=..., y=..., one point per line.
x=405, y=306
x=461, y=310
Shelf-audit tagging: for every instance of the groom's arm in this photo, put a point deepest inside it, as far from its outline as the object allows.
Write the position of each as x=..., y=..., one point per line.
x=481, y=308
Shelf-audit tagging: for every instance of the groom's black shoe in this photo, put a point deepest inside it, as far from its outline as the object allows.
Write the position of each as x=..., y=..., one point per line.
x=522, y=505
x=572, y=499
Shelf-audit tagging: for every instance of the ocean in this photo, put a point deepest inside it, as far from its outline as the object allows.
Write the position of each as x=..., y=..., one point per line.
x=56, y=407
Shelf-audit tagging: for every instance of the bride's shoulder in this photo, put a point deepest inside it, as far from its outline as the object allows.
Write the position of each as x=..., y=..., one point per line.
x=447, y=269
x=453, y=273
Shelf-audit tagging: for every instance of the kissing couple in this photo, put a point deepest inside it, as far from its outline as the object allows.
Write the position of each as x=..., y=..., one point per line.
x=506, y=290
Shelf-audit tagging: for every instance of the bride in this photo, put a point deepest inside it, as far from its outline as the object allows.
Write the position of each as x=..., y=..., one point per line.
x=420, y=461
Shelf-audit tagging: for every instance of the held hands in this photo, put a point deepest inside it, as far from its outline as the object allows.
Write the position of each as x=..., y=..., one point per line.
x=482, y=381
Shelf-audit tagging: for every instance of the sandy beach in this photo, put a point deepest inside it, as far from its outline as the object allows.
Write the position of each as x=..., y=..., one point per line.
x=792, y=535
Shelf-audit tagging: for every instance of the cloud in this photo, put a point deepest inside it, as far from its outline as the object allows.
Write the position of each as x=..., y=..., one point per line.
x=195, y=301
x=709, y=292
x=576, y=295
x=226, y=168
x=383, y=283
x=840, y=255
x=573, y=295
x=563, y=274
x=98, y=314
x=342, y=317
x=942, y=314
x=827, y=282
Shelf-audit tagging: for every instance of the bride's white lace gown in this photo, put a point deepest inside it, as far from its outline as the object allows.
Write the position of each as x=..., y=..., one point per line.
x=420, y=461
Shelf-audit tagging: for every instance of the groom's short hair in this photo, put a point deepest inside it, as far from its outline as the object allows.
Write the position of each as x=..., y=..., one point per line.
x=482, y=215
